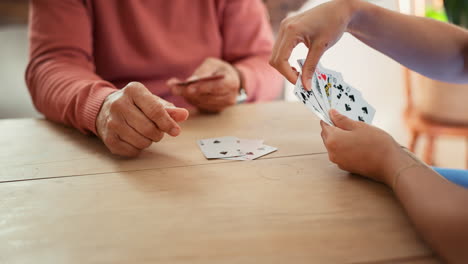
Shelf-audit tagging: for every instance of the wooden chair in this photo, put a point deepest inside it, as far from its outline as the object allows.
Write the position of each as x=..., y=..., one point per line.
x=421, y=125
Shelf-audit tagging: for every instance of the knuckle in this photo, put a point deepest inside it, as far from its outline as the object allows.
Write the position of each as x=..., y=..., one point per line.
x=291, y=26
x=116, y=106
x=158, y=136
x=148, y=130
x=284, y=22
x=156, y=110
x=321, y=44
x=134, y=85
x=110, y=142
x=113, y=125
x=144, y=143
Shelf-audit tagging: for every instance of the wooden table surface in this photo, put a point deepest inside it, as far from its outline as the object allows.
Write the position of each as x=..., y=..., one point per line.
x=65, y=199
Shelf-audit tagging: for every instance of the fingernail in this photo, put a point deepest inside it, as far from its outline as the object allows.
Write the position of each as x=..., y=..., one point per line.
x=174, y=131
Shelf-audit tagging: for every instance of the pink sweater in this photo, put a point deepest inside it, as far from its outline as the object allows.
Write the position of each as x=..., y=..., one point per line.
x=83, y=50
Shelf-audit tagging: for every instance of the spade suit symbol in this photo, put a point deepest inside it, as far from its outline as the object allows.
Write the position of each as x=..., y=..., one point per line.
x=347, y=107
x=364, y=109
x=351, y=97
x=360, y=118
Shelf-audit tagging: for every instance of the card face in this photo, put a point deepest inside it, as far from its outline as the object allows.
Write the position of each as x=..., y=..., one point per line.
x=320, y=104
x=327, y=80
x=330, y=91
x=249, y=145
x=354, y=106
x=221, y=147
x=255, y=153
x=309, y=99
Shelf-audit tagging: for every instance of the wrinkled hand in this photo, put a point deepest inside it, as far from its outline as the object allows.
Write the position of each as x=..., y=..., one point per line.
x=319, y=29
x=131, y=119
x=363, y=149
x=211, y=96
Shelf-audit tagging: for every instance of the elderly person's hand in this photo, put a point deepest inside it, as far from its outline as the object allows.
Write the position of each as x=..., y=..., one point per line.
x=211, y=96
x=131, y=119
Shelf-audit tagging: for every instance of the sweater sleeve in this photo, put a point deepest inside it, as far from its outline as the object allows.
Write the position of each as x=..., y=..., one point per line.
x=61, y=74
x=248, y=43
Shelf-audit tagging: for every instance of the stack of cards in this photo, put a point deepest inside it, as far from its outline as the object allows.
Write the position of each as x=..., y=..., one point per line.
x=232, y=148
x=329, y=91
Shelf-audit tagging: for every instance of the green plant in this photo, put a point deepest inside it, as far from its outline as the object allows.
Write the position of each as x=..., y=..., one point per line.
x=457, y=12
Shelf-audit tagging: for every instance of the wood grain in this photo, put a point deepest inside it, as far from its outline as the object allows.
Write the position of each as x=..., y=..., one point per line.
x=277, y=210
x=33, y=149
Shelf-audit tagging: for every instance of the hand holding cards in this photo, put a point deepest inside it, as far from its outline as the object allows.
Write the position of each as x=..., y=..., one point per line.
x=330, y=91
x=232, y=148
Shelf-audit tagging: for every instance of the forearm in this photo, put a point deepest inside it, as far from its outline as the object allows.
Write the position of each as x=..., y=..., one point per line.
x=438, y=209
x=432, y=48
x=67, y=92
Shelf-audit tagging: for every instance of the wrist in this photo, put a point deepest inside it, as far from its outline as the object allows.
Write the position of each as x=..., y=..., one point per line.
x=356, y=11
x=396, y=161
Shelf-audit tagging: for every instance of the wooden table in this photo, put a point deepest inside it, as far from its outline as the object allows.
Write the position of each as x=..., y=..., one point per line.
x=65, y=199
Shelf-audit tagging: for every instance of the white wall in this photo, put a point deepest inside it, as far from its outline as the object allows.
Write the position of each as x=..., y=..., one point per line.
x=14, y=97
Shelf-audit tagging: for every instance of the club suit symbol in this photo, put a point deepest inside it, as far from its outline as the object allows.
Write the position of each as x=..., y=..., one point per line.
x=347, y=107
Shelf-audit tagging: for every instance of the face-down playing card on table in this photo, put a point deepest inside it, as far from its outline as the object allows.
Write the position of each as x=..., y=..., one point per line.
x=331, y=91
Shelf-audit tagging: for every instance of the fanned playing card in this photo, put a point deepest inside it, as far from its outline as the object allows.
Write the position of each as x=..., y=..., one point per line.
x=309, y=99
x=332, y=92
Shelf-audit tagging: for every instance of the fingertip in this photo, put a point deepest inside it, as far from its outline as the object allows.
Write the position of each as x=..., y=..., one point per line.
x=306, y=81
x=178, y=114
x=334, y=113
x=175, y=131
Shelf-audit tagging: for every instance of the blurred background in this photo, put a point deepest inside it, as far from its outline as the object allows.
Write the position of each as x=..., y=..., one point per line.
x=384, y=83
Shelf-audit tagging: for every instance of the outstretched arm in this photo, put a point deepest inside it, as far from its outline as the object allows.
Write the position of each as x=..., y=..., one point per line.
x=435, y=49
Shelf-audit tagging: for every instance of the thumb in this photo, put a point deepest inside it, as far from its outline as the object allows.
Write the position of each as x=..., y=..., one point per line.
x=342, y=121
x=313, y=57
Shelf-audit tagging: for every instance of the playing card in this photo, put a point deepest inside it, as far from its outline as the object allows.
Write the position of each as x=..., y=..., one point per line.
x=255, y=153
x=221, y=147
x=248, y=145
x=330, y=91
x=318, y=92
x=352, y=105
x=327, y=80
x=201, y=79
x=309, y=99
